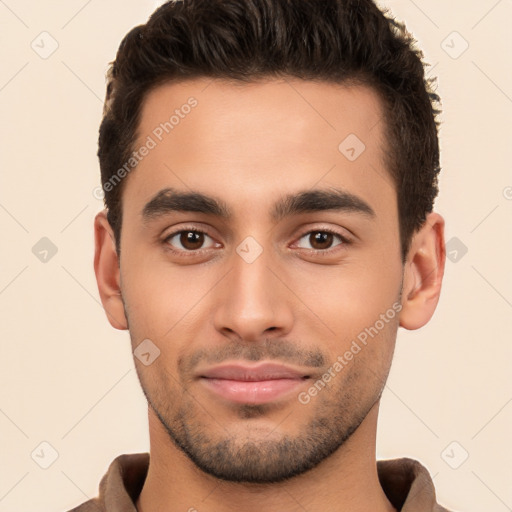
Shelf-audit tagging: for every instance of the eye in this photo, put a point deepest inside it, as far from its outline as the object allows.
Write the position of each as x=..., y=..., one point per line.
x=321, y=240
x=188, y=240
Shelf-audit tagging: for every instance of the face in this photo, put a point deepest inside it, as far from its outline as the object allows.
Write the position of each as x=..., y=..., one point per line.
x=254, y=231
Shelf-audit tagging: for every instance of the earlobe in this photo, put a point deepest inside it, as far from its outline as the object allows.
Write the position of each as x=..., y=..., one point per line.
x=106, y=268
x=423, y=273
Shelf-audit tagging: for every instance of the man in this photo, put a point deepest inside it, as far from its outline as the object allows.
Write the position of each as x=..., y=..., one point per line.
x=269, y=169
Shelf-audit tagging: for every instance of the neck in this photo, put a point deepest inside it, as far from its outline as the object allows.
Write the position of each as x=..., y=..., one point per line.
x=345, y=481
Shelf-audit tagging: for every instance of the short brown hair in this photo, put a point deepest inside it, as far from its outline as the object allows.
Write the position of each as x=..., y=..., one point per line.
x=340, y=41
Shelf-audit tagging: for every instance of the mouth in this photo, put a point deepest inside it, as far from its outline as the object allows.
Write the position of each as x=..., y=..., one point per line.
x=253, y=384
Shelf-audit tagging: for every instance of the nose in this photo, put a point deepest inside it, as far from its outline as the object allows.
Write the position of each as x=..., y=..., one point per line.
x=253, y=302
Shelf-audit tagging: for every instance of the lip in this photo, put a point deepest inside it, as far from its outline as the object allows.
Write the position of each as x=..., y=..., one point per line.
x=260, y=372
x=254, y=384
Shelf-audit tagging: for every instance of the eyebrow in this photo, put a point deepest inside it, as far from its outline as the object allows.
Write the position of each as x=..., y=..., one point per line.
x=306, y=201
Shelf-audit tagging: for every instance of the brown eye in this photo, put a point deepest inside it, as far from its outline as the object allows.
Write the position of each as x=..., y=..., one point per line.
x=321, y=240
x=191, y=240
x=187, y=240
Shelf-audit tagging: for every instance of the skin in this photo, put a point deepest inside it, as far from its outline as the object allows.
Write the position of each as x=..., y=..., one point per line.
x=248, y=145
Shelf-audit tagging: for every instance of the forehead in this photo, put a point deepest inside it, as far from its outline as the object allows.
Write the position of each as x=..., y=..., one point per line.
x=249, y=140
x=225, y=110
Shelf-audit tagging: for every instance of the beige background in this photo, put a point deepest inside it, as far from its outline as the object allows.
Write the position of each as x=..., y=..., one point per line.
x=67, y=377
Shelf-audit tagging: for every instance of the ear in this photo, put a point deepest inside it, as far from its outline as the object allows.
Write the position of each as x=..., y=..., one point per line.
x=106, y=268
x=423, y=273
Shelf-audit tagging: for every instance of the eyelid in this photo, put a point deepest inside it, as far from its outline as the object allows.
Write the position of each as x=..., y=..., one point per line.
x=198, y=228
x=326, y=229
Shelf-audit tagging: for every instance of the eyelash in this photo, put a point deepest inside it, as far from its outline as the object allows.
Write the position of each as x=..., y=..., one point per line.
x=344, y=241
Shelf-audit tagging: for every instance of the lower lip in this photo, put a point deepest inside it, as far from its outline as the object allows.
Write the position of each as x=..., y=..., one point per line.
x=252, y=392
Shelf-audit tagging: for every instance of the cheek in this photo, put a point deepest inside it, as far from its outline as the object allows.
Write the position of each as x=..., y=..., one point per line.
x=355, y=377
x=164, y=300
x=359, y=306
x=350, y=296
x=370, y=346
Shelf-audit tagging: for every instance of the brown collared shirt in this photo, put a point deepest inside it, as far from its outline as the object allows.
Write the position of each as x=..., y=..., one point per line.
x=406, y=483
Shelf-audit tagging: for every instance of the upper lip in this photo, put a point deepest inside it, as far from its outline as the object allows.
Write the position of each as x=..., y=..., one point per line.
x=265, y=371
